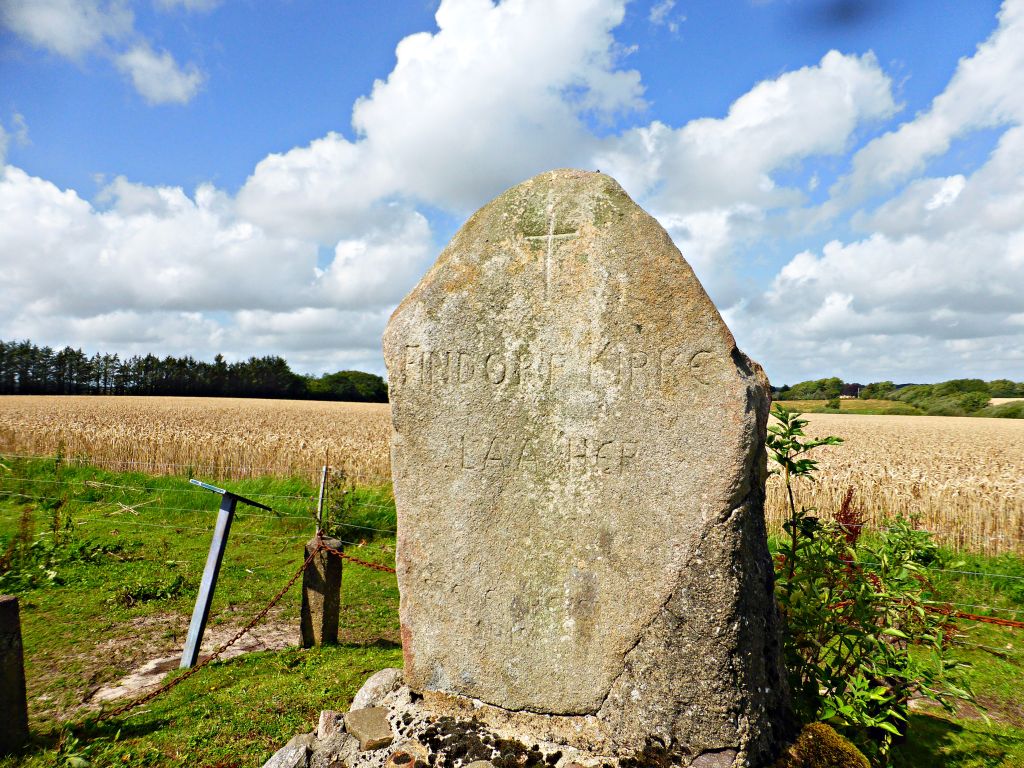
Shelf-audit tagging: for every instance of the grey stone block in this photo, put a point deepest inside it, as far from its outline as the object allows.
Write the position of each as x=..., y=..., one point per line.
x=336, y=751
x=13, y=703
x=370, y=726
x=377, y=686
x=579, y=467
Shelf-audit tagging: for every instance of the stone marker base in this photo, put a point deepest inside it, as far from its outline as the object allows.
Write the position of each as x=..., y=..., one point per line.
x=392, y=727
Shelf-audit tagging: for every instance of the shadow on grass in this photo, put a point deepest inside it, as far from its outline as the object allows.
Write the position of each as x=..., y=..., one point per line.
x=380, y=643
x=62, y=738
x=936, y=741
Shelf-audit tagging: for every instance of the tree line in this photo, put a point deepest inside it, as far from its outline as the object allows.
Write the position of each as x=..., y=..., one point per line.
x=28, y=369
x=956, y=397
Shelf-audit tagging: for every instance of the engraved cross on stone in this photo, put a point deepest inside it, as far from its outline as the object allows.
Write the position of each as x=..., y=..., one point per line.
x=552, y=237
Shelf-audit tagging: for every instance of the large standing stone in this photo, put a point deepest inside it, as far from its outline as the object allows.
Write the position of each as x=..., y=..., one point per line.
x=579, y=475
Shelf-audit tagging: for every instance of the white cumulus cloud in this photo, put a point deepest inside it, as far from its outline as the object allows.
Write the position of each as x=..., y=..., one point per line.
x=69, y=28
x=322, y=240
x=193, y=6
x=154, y=247
x=498, y=93
x=984, y=92
x=157, y=76
x=714, y=162
x=74, y=28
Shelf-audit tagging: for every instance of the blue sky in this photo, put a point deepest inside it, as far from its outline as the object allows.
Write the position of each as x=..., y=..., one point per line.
x=195, y=176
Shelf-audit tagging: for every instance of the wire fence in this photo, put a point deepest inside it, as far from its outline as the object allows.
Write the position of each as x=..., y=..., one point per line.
x=308, y=498
x=321, y=545
x=100, y=507
x=253, y=513
x=123, y=514
x=212, y=468
x=148, y=489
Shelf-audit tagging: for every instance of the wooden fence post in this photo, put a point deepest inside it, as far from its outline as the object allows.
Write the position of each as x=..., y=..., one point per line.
x=13, y=703
x=321, y=595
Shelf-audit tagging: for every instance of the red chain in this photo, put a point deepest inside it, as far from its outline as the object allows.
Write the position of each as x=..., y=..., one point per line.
x=947, y=611
x=343, y=556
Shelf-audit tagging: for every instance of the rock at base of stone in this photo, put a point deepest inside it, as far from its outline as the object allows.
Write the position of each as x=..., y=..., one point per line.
x=409, y=754
x=336, y=751
x=439, y=732
x=819, y=746
x=306, y=740
x=370, y=726
x=445, y=732
x=293, y=756
x=376, y=687
x=723, y=758
x=330, y=723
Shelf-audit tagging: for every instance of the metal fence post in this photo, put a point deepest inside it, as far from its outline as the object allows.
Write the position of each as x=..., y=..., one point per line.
x=201, y=612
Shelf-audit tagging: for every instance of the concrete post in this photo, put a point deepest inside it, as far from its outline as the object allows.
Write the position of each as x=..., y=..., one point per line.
x=13, y=703
x=321, y=596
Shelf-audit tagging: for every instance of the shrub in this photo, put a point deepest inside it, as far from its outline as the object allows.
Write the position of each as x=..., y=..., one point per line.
x=818, y=389
x=959, y=397
x=832, y=404
x=877, y=390
x=853, y=607
x=1006, y=388
x=1004, y=411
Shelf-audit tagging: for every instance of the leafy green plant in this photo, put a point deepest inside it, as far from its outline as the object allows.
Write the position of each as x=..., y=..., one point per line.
x=832, y=403
x=354, y=513
x=27, y=562
x=145, y=590
x=860, y=638
x=788, y=447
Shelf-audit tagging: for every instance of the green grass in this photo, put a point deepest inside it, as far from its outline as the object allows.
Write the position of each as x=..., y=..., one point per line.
x=996, y=654
x=80, y=633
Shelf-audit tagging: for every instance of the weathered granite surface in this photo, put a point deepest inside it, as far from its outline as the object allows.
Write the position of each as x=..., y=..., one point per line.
x=579, y=469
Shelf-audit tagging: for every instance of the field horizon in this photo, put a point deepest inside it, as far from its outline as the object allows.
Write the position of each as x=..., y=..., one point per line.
x=961, y=477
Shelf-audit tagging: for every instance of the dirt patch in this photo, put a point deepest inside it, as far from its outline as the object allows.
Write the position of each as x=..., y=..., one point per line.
x=272, y=635
x=131, y=658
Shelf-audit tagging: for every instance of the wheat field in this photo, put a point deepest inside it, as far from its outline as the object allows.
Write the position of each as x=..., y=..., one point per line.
x=961, y=477
x=214, y=437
